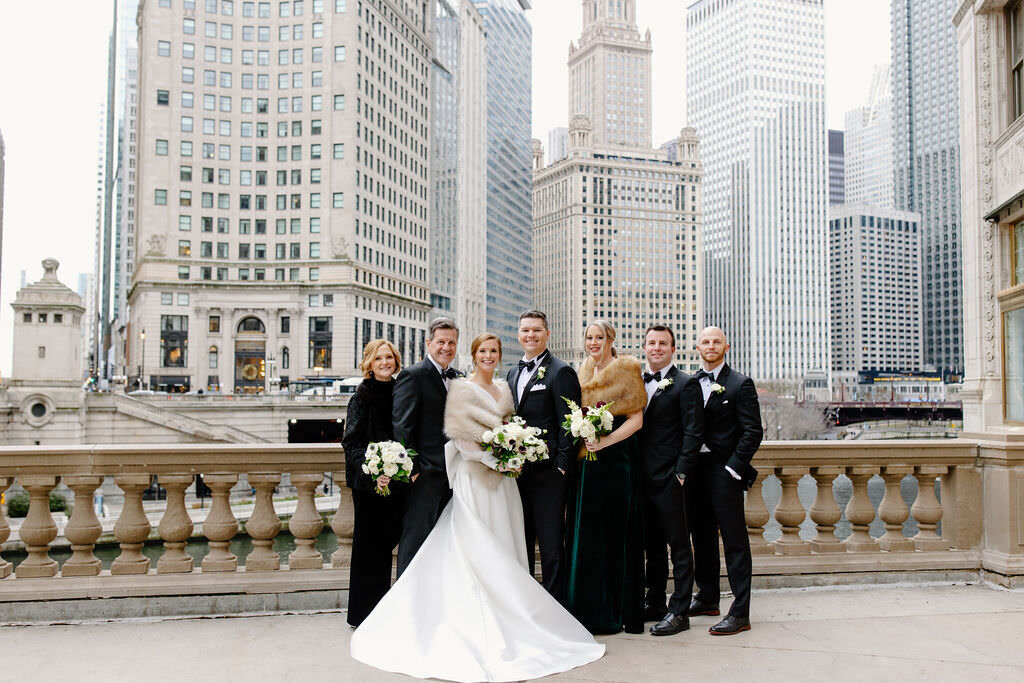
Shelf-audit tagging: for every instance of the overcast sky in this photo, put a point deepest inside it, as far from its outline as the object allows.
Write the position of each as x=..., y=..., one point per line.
x=52, y=89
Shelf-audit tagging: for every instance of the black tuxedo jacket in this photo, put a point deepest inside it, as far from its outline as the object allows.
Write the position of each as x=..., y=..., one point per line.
x=542, y=406
x=732, y=424
x=418, y=415
x=673, y=427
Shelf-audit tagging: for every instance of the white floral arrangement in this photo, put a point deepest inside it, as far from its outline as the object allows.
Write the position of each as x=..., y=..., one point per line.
x=388, y=459
x=541, y=371
x=717, y=388
x=514, y=444
x=588, y=422
x=665, y=383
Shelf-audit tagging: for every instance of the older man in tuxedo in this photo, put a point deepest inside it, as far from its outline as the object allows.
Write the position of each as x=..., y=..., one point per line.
x=420, y=394
x=672, y=433
x=716, y=479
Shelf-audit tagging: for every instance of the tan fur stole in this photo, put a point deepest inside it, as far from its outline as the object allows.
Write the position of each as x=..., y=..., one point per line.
x=469, y=411
x=620, y=382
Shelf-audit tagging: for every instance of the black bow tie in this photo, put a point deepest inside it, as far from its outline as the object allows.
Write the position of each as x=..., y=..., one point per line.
x=449, y=373
x=529, y=365
x=652, y=377
x=700, y=374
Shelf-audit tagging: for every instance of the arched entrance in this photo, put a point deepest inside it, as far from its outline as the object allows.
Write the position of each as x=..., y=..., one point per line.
x=250, y=356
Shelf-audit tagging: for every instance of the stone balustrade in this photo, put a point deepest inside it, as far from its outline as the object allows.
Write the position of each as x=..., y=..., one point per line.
x=820, y=541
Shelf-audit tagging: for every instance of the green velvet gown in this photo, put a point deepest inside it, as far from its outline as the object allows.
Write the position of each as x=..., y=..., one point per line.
x=604, y=550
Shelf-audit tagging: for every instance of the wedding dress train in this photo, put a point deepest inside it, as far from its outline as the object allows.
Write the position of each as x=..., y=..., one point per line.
x=467, y=608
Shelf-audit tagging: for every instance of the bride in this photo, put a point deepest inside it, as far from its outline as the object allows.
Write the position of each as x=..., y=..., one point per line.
x=467, y=608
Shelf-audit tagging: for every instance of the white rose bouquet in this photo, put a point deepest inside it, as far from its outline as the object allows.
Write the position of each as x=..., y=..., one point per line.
x=588, y=422
x=514, y=444
x=388, y=459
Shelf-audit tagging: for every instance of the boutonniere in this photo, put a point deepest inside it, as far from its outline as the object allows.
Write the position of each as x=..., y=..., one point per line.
x=541, y=370
x=717, y=388
x=665, y=383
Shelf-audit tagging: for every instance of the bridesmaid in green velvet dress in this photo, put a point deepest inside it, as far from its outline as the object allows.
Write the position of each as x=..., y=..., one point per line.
x=605, y=589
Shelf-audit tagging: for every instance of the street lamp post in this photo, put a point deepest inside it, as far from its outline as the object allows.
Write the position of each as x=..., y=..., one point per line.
x=142, y=365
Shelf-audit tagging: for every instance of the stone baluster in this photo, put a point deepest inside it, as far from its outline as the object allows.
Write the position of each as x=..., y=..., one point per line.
x=83, y=528
x=263, y=525
x=893, y=510
x=927, y=510
x=175, y=526
x=790, y=513
x=756, y=514
x=859, y=510
x=343, y=526
x=825, y=512
x=132, y=528
x=5, y=529
x=220, y=525
x=306, y=523
x=38, y=529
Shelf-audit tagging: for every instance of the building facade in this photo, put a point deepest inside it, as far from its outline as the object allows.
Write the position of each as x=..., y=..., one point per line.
x=755, y=74
x=282, y=189
x=875, y=267
x=836, y=167
x=509, y=159
x=927, y=163
x=869, y=145
x=3, y=152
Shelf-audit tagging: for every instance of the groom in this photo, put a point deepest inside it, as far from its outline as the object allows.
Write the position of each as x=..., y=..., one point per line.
x=539, y=383
x=420, y=394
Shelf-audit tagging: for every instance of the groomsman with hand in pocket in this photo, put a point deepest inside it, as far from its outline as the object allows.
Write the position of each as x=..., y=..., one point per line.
x=716, y=479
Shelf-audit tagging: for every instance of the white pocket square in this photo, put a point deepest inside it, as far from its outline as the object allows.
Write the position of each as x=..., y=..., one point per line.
x=725, y=401
x=538, y=387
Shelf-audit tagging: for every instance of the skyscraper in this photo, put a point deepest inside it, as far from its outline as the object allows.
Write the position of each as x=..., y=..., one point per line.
x=869, y=144
x=755, y=74
x=3, y=152
x=617, y=225
x=927, y=164
x=509, y=159
x=836, y=167
x=458, y=169
x=282, y=189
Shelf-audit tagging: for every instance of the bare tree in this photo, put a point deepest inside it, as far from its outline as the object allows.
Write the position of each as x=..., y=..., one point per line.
x=786, y=419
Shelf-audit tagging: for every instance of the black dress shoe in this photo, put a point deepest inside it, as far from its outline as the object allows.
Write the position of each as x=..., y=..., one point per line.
x=671, y=625
x=654, y=613
x=730, y=626
x=699, y=608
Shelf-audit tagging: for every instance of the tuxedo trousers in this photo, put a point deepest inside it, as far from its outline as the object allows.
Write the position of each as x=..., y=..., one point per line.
x=665, y=528
x=377, y=528
x=430, y=493
x=542, y=490
x=715, y=503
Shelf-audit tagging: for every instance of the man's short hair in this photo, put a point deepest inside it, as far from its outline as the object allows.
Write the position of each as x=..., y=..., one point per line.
x=441, y=324
x=661, y=328
x=534, y=313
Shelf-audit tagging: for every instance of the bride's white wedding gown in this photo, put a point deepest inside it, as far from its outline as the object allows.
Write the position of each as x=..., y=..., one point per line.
x=467, y=608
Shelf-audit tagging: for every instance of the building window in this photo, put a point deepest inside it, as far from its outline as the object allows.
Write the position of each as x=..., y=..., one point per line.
x=1015, y=18
x=161, y=148
x=215, y=324
x=26, y=318
x=1017, y=240
x=163, y=97
x=213, y=358
x=160, y=197
x=338, y=200
x=320, y=339
x=184, y=247
x=163, y=48
x=1013, y=371
x=173, y=341
x=286, y=358
x=339, y=53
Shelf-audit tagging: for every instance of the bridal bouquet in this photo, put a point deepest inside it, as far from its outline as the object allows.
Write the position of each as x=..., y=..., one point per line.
x=588, y=422
x=388, y=459
x=514, y=444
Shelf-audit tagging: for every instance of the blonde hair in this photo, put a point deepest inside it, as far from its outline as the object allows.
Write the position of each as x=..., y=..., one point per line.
x=370, y=352
x=608, y=331
x=480, y=339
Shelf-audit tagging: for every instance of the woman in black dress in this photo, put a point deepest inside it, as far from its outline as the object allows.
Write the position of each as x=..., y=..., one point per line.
x=377, y=519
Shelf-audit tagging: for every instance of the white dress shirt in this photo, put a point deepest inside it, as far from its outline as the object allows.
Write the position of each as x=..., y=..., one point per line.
x=440, y=371
x=652, y=386
x=705, y=387
x=525, y=375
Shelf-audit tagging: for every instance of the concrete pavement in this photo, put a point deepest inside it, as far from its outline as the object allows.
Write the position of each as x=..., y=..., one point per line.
x=901, y=632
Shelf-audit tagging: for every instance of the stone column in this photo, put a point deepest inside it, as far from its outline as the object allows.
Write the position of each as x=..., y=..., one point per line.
x=790, y=513
x=38, y=529
x=757, y=515
x=825, y=512
x=264, y=525
x=132, y=528
x=893, y=510
x=859, y=510
x=175, y=526
x=5, y=530
x=220, y=525
x=83, y=528
x=343, y=525
x=306, y=523
x=927, y=510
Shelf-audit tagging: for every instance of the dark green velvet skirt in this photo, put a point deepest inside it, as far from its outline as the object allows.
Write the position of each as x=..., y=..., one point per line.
x=605, y=590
